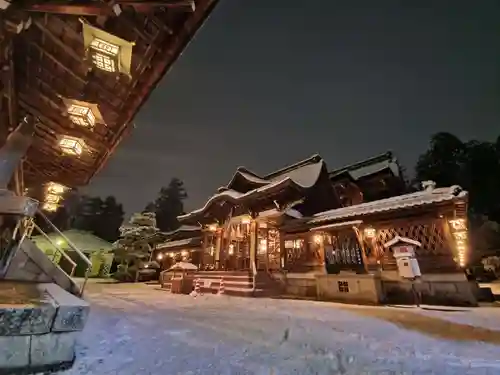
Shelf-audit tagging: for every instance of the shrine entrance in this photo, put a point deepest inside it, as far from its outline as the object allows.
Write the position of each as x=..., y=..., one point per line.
x=235, y=251
x=268, y=248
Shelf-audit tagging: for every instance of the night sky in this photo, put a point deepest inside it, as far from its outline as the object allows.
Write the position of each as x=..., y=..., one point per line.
x=265, y=84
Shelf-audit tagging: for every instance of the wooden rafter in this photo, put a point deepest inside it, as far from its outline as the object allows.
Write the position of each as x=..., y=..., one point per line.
x=42, y=60
x=104, y=9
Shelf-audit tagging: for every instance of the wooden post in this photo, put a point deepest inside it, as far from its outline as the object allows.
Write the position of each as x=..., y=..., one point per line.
x=218, y=247
x=362, y=246
x=253, y=243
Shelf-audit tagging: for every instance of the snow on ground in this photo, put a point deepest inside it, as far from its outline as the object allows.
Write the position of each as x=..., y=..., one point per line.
x=134, y=330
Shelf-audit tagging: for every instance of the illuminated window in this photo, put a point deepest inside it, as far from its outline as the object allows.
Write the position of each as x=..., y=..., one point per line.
x=81, y=115
x=71, y=146
x=51, y=207
x=104, y=55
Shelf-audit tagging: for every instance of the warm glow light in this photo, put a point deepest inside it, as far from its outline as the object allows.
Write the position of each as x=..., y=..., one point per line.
x=318, y=239
x=159, y=256
x=52, y=198
x=51, y=207
x=105, y=47
x=231, y=249
x=54, y=188
x=212, y=227
x=185, y=253
x=458, y=224
x=104, y=55
x=81, y=115
x=59, y=242
x=459, y=231
x=370, y=232
x=262, y=246
x=171, y=255
x=71, y=146
x=245, y=220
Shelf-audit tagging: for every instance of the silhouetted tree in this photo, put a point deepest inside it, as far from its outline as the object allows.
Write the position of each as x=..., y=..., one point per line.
x=110, y=219
x=168, y=205
x=103, y=218
x=473, y=165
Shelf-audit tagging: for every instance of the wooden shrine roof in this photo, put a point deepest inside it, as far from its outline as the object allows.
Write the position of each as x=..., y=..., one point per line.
x=43, y=61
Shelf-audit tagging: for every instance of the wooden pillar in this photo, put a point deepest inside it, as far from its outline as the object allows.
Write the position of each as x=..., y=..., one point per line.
x=359, y=237
x=253, y=243
x=218, y=247
x=204, y=249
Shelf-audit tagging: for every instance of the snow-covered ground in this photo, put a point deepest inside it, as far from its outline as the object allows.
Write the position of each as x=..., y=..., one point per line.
x=137, y=330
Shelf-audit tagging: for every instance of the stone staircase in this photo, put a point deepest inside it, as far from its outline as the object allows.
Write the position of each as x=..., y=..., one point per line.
x=237, y=283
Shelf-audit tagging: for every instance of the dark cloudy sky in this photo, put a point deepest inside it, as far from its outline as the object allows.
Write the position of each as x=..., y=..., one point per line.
x=267, y=83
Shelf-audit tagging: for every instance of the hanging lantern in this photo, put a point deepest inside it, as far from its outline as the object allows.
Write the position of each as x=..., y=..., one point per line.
x=107, y=51
x=52, y=198
x=71, y=145
x=82, y=113
x=82, y=116
x=104, y=55
x=50, y=207
x=370, y=232
x=55, y=188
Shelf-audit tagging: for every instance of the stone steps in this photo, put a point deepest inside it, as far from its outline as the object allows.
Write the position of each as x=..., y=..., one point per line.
x=236, y=283
x=39, y=327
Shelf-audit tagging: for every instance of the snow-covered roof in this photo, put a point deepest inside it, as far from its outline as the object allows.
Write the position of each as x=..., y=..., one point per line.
x=369, y=166
x=275, y=212
x=183, y=228
x=399, y=239
x=353, y=223
x=304, y=175
x=171, y=244
x=420, y=198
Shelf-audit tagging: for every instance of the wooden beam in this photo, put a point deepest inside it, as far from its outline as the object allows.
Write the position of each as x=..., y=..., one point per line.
x=101, y=9
x=11, y=90
x=70, y=9
x=57, y=40
x=76, y=76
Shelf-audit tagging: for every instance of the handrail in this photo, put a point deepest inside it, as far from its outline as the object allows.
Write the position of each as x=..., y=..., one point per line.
x=61, y=251
x=73, y=247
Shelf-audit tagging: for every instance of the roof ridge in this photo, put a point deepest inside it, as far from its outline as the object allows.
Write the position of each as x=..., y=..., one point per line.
x=454, y=190
x=386, y=155
x=314, y=158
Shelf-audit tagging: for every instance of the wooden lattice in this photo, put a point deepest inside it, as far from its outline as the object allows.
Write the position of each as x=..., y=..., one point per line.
x=434, y=253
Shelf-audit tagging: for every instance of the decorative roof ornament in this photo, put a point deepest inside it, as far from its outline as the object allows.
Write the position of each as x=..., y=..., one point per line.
x=107, y=51
x=428, y=185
